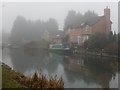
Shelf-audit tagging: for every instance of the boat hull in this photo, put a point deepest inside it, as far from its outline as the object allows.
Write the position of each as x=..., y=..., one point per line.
x=61, y=51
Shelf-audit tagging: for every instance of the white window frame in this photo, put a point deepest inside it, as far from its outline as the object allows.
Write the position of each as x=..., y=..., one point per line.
x=78, y=40
x=85, y=37
x=69, y=30
x=86, y=27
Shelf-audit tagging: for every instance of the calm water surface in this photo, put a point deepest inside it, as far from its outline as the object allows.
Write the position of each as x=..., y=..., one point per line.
x=77, y=72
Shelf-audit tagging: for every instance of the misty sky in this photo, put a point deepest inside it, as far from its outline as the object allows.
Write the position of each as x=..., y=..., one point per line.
x=59, y=10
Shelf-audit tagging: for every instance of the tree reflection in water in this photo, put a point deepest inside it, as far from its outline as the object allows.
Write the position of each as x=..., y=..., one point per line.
x=90, y=69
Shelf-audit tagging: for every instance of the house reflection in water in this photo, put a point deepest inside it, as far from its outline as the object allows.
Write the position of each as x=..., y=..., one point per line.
x=76, y=65
x=92, y=71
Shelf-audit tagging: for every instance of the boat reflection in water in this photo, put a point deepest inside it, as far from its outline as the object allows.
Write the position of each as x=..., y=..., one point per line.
x=77, y=72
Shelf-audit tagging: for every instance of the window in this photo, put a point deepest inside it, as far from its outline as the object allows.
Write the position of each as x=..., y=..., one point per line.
x=78, y=40
x=87, y=27
x=69, y=30
x=82, y=24
x=71, y=38
x=85, y=37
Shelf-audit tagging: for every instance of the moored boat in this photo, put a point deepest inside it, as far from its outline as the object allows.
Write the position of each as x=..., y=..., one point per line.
x=59, y=48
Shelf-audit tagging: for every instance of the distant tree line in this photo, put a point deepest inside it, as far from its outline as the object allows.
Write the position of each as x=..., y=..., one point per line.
x=74, y=19
x=26, y=30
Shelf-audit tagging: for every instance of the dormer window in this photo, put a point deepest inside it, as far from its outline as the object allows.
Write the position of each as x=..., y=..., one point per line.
x=82, y=24
x=87, y=27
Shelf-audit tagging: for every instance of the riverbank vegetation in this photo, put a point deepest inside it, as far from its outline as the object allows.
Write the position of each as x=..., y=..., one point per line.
x=42, y=82
x=9, y=78
x=13, y=79
x=42, y=44
x=101, y=41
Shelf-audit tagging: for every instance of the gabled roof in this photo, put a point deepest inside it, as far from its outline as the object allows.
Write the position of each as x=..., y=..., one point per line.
x=93, y=21
x=90, y=22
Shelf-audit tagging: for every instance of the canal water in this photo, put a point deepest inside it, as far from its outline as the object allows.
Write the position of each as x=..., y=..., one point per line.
x=80, y=71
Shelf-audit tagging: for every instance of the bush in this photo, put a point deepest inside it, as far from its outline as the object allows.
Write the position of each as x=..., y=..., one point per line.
x=112, y=47
x=98, y=40
x=42, y=82
x=101, y=41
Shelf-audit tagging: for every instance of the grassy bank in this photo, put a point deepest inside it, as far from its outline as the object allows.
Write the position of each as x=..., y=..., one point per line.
x=12, y=79
x=9, y=78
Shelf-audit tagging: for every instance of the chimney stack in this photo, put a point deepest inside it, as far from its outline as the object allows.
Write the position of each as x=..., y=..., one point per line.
x=107, y=12
x=107, y=19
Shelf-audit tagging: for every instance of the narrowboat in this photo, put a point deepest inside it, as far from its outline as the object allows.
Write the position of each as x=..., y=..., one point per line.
x=59, y=48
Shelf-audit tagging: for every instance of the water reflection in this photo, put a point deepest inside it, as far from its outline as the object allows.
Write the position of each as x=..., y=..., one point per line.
x=82, y=71
x=91, y=70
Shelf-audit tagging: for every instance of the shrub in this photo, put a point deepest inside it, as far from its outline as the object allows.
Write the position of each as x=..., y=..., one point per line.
x=111, y=47
x=42, y=81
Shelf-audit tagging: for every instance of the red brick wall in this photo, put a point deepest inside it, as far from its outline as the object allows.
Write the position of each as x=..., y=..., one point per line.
x=78, y=32
x=57, y=41
x=104, y=25
x=107, y=19
x=100, y=26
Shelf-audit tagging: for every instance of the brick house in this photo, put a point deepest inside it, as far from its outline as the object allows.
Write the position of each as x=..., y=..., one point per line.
x=100, y=24
x=57, y=41
x=58, y=37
